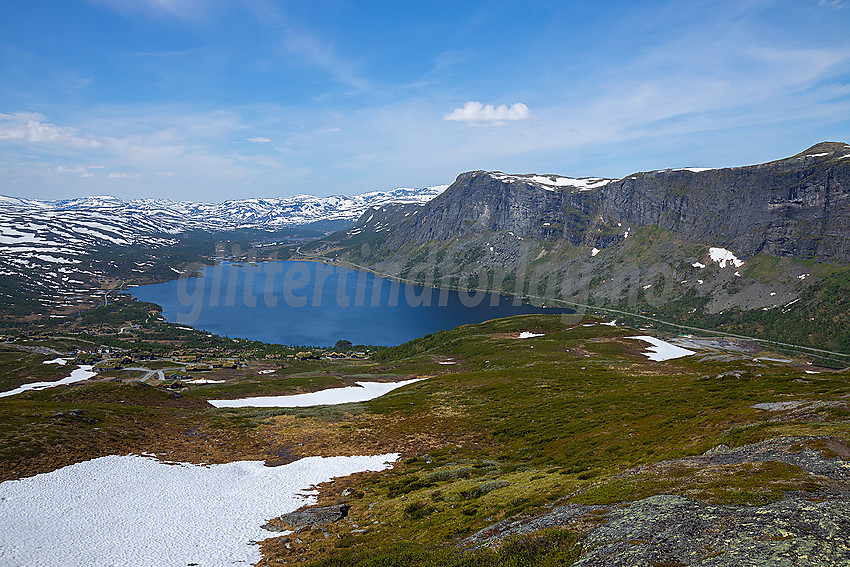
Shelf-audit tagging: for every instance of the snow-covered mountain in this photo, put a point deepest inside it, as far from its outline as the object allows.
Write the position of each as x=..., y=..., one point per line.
x=264, y=214
x=46, y=243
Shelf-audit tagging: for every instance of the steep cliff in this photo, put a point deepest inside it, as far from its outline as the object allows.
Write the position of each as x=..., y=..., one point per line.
x=754, y=249
x=796, y=207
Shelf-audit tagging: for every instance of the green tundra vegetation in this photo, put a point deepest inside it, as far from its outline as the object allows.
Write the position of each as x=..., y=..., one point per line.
x=501, y=428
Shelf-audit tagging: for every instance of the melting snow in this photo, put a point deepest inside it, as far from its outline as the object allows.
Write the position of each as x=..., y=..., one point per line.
x=662, y=350
x=82, y=373
x=699, y=265
x=364, y=391
x=595, y=251
x=60, y=361
x=134, y=510
x=723, y=256
x=529, y=335
x=548, y=181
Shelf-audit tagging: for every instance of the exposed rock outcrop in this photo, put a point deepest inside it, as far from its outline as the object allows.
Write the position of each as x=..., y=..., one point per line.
x=796, y=207
x=800, y=528
x=308, y=517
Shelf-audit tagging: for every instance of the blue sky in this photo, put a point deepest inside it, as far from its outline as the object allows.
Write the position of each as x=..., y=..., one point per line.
x=209, y=100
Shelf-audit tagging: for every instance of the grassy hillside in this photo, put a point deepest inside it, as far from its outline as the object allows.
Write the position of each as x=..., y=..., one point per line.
x=502, y=429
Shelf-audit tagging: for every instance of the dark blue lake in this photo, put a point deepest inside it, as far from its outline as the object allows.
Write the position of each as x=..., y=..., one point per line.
x=309, y=303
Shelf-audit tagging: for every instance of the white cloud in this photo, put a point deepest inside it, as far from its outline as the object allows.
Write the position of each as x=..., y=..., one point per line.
x=81, y=170
x=259, y=140
x=28, y=127
x=474, y=111
x=832, y=3
x=77, y=169
x=123, y=175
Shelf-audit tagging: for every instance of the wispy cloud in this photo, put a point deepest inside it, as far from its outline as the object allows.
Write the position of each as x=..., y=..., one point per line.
x=476, y=112
x=75, y=170
x=123, y=175
x=307, y=46
x=259, y=140
x=30, y=128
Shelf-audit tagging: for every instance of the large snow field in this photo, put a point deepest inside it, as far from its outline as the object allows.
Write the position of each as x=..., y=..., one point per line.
x=364, y=391
x=134, y=510
x=662, y=350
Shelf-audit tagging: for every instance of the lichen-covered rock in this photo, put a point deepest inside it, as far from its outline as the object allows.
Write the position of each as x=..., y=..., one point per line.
x=308, y=517
x=676, y=530
x=811, y=529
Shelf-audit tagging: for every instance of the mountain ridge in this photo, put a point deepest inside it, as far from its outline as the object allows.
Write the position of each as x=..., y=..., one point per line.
x=734, y=248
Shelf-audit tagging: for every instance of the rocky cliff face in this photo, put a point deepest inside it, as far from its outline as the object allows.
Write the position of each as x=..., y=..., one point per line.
x=796, y=207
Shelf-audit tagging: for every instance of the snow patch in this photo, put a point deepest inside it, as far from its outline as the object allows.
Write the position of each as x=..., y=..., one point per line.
x=723, y=257
x=551, y=181
x=594, y=252
x=84, y=372
x=662, y=350
x=362, y=392
x=699, y=265
x=529, y=335
x=135, y=510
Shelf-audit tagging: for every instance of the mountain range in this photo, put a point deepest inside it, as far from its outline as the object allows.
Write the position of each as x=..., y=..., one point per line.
x=56, y=252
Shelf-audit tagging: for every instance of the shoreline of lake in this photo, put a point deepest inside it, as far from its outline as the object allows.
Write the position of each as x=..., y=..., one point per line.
x=261, y=300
